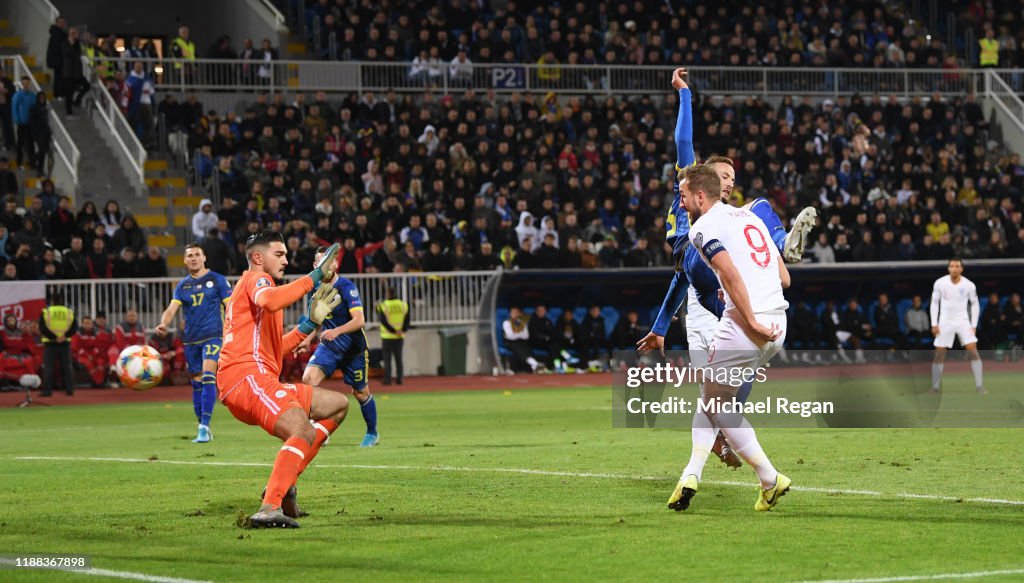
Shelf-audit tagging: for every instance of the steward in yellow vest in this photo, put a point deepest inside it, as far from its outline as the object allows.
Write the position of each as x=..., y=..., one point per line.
x=57, y=324
x=394, y=322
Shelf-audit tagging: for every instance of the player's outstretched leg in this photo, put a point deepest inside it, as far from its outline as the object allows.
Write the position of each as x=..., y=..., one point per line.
x=294, y=429
x=741, y=435
x=793, y=243
x=703, y=434
x=796, y=240
x=327, y=411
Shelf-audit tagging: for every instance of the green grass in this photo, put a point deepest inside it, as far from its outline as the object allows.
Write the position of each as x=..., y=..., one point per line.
x=436, y=508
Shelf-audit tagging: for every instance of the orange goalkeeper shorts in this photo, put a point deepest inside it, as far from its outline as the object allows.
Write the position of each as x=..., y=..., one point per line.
x=258, y=399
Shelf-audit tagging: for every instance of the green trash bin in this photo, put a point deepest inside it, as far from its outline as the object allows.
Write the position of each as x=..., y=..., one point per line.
x=453, y=351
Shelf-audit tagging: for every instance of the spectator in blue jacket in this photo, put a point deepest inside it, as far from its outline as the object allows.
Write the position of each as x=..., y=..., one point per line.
x=21, y=108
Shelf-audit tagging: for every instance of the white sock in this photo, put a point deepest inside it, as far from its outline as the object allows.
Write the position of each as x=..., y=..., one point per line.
x=532, y=362
x=936, y=375
x=859, y=354
x=976, y=369
x=744, y=443
x=704, y=434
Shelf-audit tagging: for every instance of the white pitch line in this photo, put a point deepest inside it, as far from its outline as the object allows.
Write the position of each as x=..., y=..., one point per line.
x=116, y=574
x=939, y=577
x=528, y=471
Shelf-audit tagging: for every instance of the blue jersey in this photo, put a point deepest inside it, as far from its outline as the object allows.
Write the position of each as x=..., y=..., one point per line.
x=201, y=300
x=352, y=342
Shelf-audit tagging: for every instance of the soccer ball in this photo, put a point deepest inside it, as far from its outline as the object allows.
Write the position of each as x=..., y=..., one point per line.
x=139, y=367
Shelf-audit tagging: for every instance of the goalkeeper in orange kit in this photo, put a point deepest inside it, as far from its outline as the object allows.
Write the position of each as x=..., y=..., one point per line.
x=302, y=416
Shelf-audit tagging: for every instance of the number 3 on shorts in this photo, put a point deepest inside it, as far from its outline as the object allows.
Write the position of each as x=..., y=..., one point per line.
x=358, y=376
x=212, y=349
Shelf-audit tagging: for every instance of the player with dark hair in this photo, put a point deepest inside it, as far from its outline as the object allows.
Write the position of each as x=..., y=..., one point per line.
x=300, y=415
x=343, y=346
x=200, y=295
x=954, y=311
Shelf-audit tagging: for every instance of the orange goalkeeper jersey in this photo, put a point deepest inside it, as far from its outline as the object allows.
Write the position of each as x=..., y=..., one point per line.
x=253, y=324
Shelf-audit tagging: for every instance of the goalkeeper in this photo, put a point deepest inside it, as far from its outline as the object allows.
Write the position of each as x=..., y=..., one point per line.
x=343, y=347
x=302, y=416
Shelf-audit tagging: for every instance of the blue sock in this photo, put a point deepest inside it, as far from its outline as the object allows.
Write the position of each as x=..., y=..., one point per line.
x=744, y=392
x=209, y=397
x=197, y=398
x=369, y=409
x=763, y=209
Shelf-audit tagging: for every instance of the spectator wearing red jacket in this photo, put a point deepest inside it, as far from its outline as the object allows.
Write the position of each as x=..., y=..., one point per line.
x=16, y=351
x=90, y=352
x=172, y=353
x=128, y=333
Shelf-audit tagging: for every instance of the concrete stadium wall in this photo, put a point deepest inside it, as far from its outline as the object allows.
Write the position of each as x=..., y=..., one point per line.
x=423, y=350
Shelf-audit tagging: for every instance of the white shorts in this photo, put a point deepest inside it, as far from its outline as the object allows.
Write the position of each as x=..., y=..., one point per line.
x=731, y=349
x=944, y=339
x=700, y=328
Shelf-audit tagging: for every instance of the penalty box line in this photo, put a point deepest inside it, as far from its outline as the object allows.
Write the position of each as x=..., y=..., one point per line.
x=528, y=471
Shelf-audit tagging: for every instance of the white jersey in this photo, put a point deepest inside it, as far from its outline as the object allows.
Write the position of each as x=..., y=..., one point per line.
x=697, y=316
x=954, y=302
x=745, y=237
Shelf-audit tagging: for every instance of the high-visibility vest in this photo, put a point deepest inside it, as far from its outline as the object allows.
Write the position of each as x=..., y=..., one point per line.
x=188, y=50
x=394, y=312
x=989, y=52
x=58, y=320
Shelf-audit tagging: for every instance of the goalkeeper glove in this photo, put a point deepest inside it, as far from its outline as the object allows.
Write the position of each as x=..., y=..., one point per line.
x=323, y=302
x=327, y=266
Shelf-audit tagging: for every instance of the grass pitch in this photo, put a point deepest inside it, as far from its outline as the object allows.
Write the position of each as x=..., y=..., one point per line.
x=500, y=485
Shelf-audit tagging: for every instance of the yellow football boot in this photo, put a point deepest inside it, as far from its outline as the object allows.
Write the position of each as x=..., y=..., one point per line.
x=767, y=499
x=685, y=490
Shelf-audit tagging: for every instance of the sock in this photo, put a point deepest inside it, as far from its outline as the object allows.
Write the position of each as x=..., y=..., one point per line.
x=936, y=374
x=324, y=429
x=286, y=469
x=744, y=443
x=703, y=434
x=532, y=362
x=763, y=209
x=209, y=397
x=859, y=354
x=744, y=393
x=369, y=410
x=976, y=369
x=197, y=398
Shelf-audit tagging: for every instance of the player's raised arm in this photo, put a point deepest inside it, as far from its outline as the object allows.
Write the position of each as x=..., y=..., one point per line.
x=684, y=121
x=277, y=298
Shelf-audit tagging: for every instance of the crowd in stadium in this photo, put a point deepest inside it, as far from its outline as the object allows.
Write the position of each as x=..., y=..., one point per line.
x=437, y=184
x=732, y=33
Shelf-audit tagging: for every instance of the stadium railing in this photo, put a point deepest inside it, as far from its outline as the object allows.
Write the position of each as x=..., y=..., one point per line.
x=360, y=76
x=1008, y=106
x=65, y=152
x=128, y=144
x=449, y=298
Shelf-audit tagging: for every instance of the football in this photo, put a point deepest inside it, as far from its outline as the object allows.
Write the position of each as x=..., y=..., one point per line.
x=139, y=367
